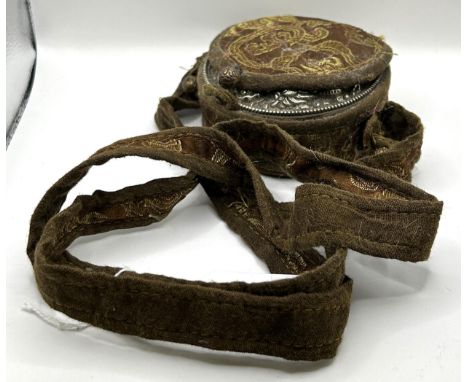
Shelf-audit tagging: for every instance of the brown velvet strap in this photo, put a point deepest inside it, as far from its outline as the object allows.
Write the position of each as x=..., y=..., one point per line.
x=342, y=204
x=382, y=134
x=390, y=141
x=299, y=318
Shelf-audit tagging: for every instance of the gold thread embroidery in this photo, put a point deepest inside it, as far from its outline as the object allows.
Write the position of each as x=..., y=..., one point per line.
x=295, y=45
x=155, y=208
x=220, y=157
x=170, y=144
x=375, y=189
x=363, y=184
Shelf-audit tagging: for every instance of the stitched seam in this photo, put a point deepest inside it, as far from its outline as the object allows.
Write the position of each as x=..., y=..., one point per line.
x=371, y=210
x=169, y=296
x=81, y=226
x=320, y=282
x=201, y=334
x=283, y=259
x=350, y=233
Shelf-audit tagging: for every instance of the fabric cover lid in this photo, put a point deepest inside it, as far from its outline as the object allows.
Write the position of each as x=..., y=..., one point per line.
x=300, y=53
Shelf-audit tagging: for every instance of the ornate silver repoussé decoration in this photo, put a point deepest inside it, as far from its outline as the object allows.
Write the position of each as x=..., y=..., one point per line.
x=294, y=102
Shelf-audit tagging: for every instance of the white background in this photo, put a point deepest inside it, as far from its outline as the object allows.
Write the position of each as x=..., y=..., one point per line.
x=102, y=66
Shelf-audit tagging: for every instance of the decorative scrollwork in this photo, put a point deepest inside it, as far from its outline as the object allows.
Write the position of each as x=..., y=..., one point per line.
x=293, y=102
x=299, y=45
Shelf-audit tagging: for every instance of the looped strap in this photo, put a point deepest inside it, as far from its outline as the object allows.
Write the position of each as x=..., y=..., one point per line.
x=342, y=204
x=299, y=318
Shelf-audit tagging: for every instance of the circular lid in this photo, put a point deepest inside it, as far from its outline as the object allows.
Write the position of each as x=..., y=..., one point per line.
x=297, y=53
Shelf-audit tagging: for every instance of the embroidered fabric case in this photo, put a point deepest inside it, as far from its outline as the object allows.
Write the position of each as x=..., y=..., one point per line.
x=318, y=80
x=287, y=96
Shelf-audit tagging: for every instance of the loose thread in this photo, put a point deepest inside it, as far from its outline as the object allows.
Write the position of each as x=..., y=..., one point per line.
x=124, y=269
x=63, y=324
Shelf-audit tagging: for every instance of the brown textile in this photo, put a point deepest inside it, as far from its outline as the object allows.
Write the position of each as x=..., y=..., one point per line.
x=300, y=318
x=291, y=52
x=372, y=131
x=351, y=198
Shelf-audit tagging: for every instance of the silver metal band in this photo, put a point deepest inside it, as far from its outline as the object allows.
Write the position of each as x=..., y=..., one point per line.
x=294, y=102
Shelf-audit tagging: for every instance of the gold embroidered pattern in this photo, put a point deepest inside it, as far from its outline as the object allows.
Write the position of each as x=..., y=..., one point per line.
x=297, y=45
x=375, y=189
x=155, y=208
x=363, y=184
x=220, y=157
x=170, y=144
